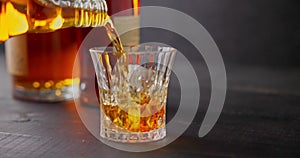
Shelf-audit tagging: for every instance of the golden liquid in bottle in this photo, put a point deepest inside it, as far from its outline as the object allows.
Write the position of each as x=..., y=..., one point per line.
x=21, y=16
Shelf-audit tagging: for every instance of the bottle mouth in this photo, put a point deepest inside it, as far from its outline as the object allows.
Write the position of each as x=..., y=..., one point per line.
x=135, y=50
x=91, y=5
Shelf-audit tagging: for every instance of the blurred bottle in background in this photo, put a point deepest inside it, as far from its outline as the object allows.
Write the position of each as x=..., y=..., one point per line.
x=41, y=64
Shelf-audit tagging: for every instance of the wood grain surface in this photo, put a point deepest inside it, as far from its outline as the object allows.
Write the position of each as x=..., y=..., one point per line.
x=260, y=118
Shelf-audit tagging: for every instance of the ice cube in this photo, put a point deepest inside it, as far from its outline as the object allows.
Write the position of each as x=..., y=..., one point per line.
x=140, y=77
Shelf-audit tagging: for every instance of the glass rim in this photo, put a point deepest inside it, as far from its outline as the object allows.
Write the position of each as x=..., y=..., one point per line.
x=135, y=50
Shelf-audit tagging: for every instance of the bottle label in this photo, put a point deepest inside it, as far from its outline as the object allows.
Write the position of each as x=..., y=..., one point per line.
x=16, y=55
x=125, y=23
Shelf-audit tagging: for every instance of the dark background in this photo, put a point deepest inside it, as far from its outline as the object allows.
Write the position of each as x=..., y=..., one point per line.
x=251, y=32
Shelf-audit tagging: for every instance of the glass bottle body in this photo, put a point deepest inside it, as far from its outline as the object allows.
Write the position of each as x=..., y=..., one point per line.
x=21, y=16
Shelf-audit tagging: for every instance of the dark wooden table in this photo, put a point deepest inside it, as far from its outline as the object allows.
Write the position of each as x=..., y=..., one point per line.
x=260, y=118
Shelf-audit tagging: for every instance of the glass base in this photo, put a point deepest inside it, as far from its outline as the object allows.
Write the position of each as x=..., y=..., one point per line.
x=46, y=95
x=133, y=137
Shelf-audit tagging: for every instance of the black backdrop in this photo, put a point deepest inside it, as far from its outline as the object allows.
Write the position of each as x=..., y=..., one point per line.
x=251, y=32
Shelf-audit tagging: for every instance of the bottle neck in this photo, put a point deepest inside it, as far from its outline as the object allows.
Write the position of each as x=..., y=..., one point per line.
x=86, y=18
